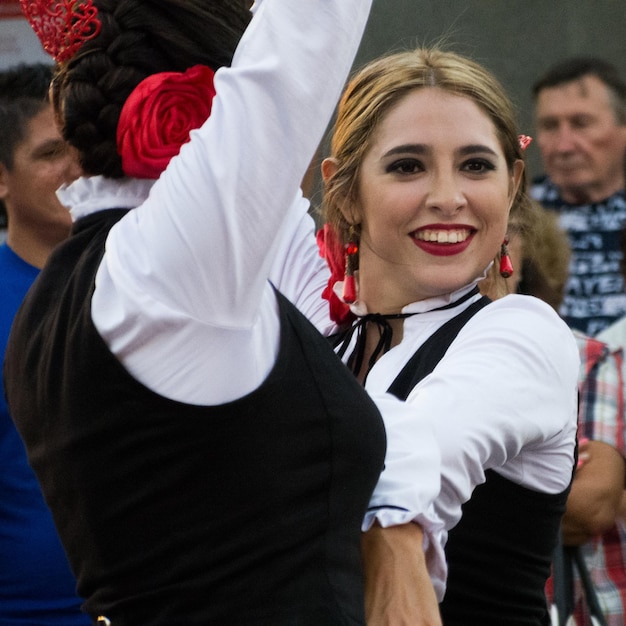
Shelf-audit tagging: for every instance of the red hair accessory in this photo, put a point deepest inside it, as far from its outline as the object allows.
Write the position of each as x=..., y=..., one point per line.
x=335, y=255
x=62, y=26
x=158, y=116
x=524, y=141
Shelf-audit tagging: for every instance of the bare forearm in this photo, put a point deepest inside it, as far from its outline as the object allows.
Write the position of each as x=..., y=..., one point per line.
x=398, y=590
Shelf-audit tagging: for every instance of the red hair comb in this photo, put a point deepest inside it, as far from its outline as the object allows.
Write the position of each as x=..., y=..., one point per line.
x=524, y=141
x=62, y=25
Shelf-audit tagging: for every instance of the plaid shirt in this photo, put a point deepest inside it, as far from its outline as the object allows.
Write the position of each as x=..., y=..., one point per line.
x=601, y=418
x=601, y=389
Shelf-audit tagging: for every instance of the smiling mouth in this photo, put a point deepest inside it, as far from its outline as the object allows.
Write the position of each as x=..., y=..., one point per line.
x=443, y=236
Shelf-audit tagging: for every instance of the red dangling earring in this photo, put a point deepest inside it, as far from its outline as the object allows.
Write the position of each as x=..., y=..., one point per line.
x=352, y=264
x=506, y=267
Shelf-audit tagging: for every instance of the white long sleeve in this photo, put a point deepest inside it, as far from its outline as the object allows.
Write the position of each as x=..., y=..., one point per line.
x=191, y=264
x=504, y=397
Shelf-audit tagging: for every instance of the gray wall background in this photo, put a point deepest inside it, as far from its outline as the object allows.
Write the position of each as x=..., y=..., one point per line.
x=516, y=39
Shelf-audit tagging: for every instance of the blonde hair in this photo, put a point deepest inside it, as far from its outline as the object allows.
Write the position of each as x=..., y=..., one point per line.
x=377, y=87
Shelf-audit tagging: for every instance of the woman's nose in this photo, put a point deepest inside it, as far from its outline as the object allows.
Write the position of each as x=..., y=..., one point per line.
x=445, y=194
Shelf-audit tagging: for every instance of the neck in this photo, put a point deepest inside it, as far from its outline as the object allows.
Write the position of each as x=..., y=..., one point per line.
x=371, y=343
x=34, y=248
x=376, y=290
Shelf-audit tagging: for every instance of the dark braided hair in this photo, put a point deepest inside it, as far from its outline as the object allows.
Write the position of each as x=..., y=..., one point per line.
x=137, y=38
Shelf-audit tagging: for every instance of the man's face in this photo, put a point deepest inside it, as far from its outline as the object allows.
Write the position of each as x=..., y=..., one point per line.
x=42, y=163
x=582, y=144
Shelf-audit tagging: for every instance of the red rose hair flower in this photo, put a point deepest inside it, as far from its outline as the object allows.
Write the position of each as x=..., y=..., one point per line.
x=331, y=249
x=157, y=117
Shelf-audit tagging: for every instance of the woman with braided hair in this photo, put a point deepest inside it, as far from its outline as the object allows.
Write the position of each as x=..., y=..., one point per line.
x=136, y=40
x=206, y=457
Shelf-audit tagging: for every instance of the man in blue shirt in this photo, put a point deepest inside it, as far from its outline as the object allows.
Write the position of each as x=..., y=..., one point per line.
x=36, y=585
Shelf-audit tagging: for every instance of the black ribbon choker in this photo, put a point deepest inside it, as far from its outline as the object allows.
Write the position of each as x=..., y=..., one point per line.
x=341, y=341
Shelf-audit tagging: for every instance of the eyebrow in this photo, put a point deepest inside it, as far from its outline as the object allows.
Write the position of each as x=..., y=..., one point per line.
x=474, y=148
x=420, y=148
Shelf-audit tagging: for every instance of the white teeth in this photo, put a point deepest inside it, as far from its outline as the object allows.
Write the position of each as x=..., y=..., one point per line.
x=443, y=236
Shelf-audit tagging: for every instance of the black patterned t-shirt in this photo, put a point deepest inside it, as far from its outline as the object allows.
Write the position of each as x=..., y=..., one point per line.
x=594, y=294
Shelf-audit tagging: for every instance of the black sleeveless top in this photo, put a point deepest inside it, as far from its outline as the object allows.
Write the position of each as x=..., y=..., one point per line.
x=499, y=554
x=247, y=513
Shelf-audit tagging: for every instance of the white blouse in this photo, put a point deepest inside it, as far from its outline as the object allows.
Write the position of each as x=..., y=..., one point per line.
x=503, y=397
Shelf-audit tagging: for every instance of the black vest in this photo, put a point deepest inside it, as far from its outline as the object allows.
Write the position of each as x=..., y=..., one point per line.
x=499, y=554
x=247, y=513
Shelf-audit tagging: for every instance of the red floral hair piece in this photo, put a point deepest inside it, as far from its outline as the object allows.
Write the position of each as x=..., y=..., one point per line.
x=158, y=116
x=524, y=141
x=62, y=26
x=331, y=249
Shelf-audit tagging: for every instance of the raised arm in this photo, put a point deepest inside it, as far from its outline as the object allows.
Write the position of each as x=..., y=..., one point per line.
x=210, y=228
x=185, y=275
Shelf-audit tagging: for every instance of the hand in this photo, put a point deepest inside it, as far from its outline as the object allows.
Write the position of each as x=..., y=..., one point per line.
x=398, y=591
x=596, y=495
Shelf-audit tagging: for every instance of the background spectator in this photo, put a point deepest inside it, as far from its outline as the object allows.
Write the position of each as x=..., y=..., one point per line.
x=580, y=109
x=36, y=585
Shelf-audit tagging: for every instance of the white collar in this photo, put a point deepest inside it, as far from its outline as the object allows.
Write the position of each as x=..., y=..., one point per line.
x=421, y=306
x=89, y=194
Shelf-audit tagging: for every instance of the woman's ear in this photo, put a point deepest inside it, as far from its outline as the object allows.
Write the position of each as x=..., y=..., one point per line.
x=329, y=167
